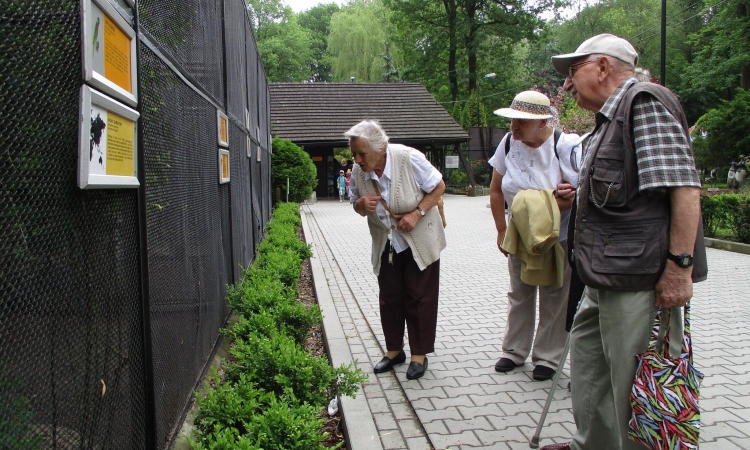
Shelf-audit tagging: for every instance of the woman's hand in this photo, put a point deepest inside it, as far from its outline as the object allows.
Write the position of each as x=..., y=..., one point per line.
x=366, y=204
x=409, y=220
x=500, y=238
x=566, y=190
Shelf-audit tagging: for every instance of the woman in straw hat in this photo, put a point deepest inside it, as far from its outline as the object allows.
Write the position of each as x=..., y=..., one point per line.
x=533, y=156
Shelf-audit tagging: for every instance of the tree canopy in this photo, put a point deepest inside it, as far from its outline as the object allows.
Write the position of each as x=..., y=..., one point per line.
x=453, y=47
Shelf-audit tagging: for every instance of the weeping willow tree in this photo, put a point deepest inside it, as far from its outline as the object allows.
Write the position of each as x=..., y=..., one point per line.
x=359, y=40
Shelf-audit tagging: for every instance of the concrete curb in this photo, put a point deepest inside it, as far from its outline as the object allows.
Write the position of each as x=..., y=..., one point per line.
x=359, y=424
x=728, y=245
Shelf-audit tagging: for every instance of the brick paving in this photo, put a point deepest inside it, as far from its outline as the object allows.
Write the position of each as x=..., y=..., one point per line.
x=461, y=402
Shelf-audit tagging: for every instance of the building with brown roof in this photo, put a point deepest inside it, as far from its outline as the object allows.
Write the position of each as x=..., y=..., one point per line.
x=316, y=115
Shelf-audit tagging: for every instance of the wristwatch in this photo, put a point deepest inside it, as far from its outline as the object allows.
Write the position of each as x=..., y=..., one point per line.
x=683, y=260
x=421, y=211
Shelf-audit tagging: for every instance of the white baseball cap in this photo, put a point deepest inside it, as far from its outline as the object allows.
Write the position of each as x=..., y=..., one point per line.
x=602, y=44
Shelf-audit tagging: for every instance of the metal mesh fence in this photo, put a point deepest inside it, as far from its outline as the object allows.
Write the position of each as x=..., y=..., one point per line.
x=74, y=349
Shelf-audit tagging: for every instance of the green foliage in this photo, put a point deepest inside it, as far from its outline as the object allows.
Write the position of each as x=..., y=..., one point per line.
x=317, y=21
x=284, y=263
x=474, y=113
x=359, y=33
x=277, y=363
x=272, y=389
x=239, y=415
x=573, y=118
x=722, y=50
x=16, y=426
x=727, y=126
x=342, y=153
x=292, y=162
x=290, y=319
x=285, y=46
x=260, y=289
x=727, y=211
x=286, y=213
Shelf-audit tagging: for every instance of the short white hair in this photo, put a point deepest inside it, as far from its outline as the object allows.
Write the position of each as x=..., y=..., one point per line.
x=371, y=132
x=642, y=74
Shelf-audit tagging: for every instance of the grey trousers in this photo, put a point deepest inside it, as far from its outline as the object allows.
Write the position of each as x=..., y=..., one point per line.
x=609, y=330
x=519, y=328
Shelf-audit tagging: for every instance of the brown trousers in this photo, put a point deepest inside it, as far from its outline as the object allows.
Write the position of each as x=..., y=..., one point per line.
x=408, y=295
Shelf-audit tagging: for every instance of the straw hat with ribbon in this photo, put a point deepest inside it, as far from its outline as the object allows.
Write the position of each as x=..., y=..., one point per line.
x=528, y=105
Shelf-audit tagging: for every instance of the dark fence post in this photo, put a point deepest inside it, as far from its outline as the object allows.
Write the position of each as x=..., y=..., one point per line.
x=148, y=363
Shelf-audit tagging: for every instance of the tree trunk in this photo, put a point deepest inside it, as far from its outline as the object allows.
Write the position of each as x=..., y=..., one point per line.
x=472, y=44
x=450, y=10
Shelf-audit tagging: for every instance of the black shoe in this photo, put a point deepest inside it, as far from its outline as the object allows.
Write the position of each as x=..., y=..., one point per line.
x=416, y=370
x=542, y=373
x=505, y=365
x=387, y=364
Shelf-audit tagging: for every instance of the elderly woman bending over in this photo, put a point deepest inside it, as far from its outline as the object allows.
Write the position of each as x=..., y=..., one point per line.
x=397, y=189
x=534, y=158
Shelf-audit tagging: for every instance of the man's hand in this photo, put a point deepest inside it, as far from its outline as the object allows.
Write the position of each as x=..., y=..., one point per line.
x=500, y=238
x=366, y=204
x=675, y=286
x=408, y=221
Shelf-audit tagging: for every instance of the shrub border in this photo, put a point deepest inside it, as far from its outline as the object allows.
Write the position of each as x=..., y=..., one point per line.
x=358, y=422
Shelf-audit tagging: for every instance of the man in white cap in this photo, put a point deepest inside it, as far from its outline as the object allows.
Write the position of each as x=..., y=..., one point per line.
x=638, y=236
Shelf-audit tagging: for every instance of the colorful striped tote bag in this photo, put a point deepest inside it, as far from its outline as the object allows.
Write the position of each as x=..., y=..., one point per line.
x=665, y=394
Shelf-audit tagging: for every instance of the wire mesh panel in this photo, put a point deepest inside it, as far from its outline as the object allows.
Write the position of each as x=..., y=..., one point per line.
x=242, y=228
x=190, y=31
x=188, y=234
x=73, y=371
x=71, y=340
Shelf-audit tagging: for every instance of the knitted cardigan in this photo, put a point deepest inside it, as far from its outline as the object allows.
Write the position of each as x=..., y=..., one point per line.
x=427, y=239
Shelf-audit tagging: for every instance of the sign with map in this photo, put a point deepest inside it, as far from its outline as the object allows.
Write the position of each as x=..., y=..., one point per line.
x=109, y=62
x=107, y=140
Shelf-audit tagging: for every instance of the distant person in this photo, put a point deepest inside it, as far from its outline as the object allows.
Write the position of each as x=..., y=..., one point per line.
x=533, y=156
x=397, y=189
x=642, y=74
x=348, y=183
x=637, y=233
x=341, y=183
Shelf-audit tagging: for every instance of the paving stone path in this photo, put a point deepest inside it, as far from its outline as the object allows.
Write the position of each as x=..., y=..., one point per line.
x=461, y=402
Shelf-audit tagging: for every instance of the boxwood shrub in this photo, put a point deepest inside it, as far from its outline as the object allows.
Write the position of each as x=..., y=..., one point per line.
x=272, y=389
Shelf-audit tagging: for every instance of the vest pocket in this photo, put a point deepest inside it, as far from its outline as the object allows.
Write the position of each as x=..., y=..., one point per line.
x=607, y=178
x=630, y=250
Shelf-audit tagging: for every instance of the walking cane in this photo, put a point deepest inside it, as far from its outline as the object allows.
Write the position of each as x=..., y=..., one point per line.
x=534, y=442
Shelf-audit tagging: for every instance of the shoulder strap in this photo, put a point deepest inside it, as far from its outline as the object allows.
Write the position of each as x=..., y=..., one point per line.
x=557, y=133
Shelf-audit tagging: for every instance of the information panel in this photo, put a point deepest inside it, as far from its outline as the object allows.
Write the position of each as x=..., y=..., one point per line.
x=108, y=45
x=223, y=165
x=107, y=137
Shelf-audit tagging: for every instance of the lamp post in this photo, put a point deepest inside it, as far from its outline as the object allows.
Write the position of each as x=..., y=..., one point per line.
x=482, y=142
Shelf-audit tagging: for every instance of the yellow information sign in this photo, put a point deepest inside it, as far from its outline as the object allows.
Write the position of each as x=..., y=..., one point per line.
x=225, y=166
x=120, y=145
x=224, y=137
x=117, y=55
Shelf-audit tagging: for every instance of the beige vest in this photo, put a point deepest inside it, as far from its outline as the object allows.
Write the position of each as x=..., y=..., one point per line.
x=427, y=239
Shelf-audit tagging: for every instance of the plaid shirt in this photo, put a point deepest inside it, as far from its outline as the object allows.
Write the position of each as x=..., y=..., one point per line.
x=663, y=153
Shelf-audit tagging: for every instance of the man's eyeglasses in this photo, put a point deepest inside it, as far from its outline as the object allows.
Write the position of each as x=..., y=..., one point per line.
x=574, y=67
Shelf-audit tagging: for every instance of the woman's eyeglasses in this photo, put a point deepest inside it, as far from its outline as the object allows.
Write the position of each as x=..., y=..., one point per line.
x=574, y=67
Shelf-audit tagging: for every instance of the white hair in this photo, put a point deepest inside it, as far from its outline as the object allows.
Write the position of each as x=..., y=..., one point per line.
x=371, y=132
x=642, y=74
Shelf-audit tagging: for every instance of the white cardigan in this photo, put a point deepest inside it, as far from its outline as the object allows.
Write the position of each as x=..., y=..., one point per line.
x=427, y=239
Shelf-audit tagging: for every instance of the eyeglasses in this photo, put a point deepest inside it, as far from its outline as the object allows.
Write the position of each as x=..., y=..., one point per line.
x=572, y=72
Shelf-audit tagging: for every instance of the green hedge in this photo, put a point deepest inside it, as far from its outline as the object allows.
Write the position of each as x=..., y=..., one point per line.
x=271, y=391
x=727, y=211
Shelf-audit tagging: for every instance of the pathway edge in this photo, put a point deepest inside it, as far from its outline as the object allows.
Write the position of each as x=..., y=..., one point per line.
x=359, y=423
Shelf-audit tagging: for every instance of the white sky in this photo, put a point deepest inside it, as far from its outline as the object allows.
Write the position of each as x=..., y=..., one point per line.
x=303, y=5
